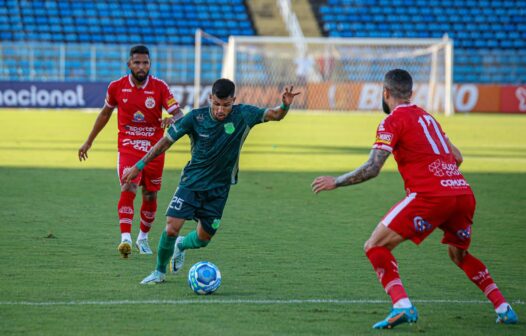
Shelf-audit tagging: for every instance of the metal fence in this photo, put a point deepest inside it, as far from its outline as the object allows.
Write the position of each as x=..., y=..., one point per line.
x=34, y=61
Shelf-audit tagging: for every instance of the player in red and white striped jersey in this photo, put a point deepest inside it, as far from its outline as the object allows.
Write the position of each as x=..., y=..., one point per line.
x=438, y=196
x=140, y=99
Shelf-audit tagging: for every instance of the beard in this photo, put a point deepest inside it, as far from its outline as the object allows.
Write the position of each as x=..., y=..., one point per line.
x=385, y=107
x=140, y=77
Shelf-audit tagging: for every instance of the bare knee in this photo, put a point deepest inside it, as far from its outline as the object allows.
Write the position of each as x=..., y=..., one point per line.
x=456, y=254
x=368, y=245
x=173, y=226
x=131, y=187
x=149, y=195
x=202, y=234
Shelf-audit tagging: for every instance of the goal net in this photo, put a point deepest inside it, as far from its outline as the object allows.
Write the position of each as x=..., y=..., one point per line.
x=342, y=74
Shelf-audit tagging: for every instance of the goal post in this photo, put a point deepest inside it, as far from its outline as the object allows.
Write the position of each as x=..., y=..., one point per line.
x=341, y=74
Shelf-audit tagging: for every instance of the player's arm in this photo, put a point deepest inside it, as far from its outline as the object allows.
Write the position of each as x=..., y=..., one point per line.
x=176, y=115
x=456, y=152
x=365, y=172
x=279, y=112
x=101, y=121
x=160, y=147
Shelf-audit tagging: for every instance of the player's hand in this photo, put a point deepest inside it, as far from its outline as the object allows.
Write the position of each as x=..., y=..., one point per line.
x=166, y=122
x=129, y=174
x=321, y=183
x=83, y=151
x=288, y=96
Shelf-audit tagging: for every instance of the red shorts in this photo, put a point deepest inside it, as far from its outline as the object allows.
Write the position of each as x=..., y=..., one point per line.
x=150, y=177
x=415, y=217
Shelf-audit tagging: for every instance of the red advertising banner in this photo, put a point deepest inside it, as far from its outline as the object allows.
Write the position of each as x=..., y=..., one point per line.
x=327, y=96
x=513, y=99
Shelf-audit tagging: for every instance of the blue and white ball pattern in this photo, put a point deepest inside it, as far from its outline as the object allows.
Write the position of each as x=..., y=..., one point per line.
x=204, y=278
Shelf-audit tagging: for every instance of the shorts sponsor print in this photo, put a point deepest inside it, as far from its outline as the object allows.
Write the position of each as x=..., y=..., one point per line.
x=416, y=217
x=150, y=177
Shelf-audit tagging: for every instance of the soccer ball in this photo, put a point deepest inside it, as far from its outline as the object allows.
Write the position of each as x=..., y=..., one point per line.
x=204, y=278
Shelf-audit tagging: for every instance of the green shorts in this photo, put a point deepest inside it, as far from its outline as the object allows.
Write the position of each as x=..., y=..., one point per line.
x=204, y=206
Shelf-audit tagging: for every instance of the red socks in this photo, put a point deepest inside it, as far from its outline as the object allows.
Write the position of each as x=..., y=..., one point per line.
x=148, y=210
x=386, y=269
x=125, y=209
x=479, y=275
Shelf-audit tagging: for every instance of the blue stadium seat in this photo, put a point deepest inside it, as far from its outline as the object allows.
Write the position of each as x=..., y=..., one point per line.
x=496, y=25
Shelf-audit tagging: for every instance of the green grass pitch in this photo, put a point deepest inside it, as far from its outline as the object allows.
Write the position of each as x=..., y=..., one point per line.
x=292, y=262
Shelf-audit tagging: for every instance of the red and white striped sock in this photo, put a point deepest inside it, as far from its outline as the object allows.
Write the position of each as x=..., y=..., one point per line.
x=478, y=273
x=125, y=211
x=148, y=211
x=386, y=268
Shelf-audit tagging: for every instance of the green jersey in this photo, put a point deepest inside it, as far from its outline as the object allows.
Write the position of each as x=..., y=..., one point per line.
x=216, y=145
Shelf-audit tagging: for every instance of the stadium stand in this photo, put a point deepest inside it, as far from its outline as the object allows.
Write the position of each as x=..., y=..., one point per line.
x=489, y=35
x=108, y=24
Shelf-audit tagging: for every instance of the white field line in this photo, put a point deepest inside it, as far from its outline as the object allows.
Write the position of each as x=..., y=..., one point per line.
x=237, y=302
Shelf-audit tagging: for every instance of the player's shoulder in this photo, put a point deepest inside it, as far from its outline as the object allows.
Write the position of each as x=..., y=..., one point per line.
x=159, y=82
x=245, y=108
x=119, y=82
x=199, y=113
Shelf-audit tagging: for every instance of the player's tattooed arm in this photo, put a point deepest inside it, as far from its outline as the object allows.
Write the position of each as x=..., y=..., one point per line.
x=160, y=147
x=367, y=171
x=363, y=173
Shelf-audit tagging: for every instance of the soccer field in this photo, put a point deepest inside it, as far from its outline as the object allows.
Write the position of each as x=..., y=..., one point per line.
x=292, y=262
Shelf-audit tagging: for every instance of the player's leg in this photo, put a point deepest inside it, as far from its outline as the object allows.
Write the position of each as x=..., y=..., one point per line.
x=208, y=216
x=151, y=184
x=195, y=239
x=148, y=211
x=457, y=234
x=412, y=219
x=165, y=250
x=378, y=250
x=125, y=207
x=126, y=212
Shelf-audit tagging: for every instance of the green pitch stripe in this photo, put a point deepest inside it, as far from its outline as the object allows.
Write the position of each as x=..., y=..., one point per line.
x=250, y=302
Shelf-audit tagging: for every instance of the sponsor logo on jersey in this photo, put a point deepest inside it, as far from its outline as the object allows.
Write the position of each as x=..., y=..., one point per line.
x=384, y=137
x=464, y=234
x=421, y=225
x=440, y=168
x=125, y=100
x=138, y=116
x=149, y=92
x=140, y=131
x=150, y=102
x=454, y=183
x=126, y=90
x=229, y=128
x=200, y=118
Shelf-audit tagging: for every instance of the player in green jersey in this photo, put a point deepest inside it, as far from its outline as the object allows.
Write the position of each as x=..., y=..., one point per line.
x=217, y=133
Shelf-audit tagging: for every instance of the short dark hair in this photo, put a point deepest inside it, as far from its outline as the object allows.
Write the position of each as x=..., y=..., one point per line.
x=139, y=49
x=399, y=83
x=223, y=88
